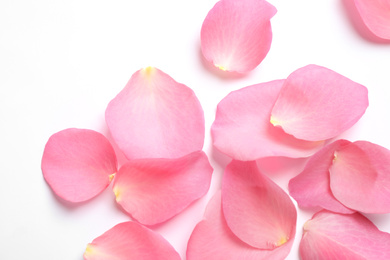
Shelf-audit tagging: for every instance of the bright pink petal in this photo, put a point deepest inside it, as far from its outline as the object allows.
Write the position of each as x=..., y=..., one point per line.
x=156, y=117
x=311, y=188
x=258, y=211
x=375, y=15
x=242, y=129
x=130, y=240
x=237, y=35
x=154, y=190
x=78, y=164
x=336, y=236
x=213, y=240
x=316, y=103
x=360, y=177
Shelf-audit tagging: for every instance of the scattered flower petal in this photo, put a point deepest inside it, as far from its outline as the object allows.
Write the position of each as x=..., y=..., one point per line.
x=78, y=164
x=236, y=35
x=316, y=103
x=242, y=129
x=360, y=177
x=375, y=15
x=257, y=211
x=130, y=240
x=154, y=190
x=311, y=187
x=213, y=240
x=156, y=117
x=336, y=236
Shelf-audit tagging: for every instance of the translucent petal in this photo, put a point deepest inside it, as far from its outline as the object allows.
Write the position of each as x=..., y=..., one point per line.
x=257, y=211
x=154, y=190
x=236, y=35
x=242, y=129
x=78, y=164
x=130, y=240
x=156, y=117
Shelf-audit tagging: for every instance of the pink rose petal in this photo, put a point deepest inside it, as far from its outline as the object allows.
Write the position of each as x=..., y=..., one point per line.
x=360, y=177
x=316, y=103
x=242, y=129
x=213, y=240
x=156, y=117
x=257, y=211
x=154, y=190
x=335, y=236
x=130, y=240
x=236, y=35
x=311, y=187
x=375, y=15
x=78, y=164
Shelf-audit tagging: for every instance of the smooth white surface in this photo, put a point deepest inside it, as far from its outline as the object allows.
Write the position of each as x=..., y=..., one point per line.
x=61, y=62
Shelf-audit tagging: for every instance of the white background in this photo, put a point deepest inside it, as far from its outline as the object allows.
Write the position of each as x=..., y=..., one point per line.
x=61, y=62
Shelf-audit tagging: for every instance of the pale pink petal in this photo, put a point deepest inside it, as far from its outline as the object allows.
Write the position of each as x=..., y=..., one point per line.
x=156, y=117
x=311, y=188
x=336, y=236
x=130, y=240
x=360, y=177
x=237, y=35
x=316, y=103
x=375, y=15
x=78, y=164
x=257, y=211
x=213, y=240
x=242, y=129
x=154, y=190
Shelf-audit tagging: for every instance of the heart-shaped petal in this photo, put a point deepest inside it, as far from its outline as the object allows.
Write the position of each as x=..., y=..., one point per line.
x=155, y=190
x=257, y=210
x=242, y=129
x=336, y=236
x=236, y=35
x=156, y=117
x=316, y=103
x=78, y=164
x=130, y=240
x=212, y=239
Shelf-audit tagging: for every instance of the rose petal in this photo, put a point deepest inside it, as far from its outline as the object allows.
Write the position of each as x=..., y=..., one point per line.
x=156, y=117
x=237, y=35
x=242, y=129
x=154, y=190
x=78, y=164
x=130, y=240
x=316, y=103
x=360, y=177
x=212, y=239
x=375, y=15
x=311, y=187
x=258, y=211
x=336, y=236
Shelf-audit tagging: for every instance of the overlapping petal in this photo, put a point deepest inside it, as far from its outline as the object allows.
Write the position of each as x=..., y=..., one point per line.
x=311, y=188
x=375, y=15
x=257, y=211
x=236, y=35
x=336, y=236
x=154, y=190
x=156, y=117
x=78, y=164
x=360, y=177
x=242, y=129
x=130, y=240
x=213, y=240
x=316, y=103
